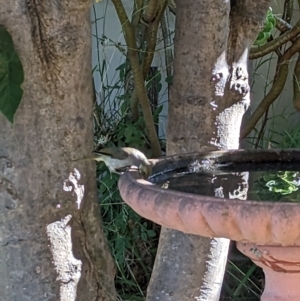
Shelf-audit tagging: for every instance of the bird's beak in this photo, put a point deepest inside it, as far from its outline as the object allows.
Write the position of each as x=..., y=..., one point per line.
x=145, y=171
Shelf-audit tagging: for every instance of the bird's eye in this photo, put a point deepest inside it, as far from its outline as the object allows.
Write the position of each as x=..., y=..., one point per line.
x=142, y=171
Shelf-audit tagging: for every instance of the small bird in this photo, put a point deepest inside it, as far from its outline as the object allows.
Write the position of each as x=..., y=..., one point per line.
x=120, y=158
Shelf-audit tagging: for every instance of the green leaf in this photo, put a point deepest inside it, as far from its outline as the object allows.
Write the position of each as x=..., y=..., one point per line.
x=151, y=233
x=159, y=86
x=261, y=39
x=265, y=34
x=11, y=76
x=131, y=134
x=121, y=67
x=157, y=77
x=144, y=236
x=158, y=110
x=169, y=79
x=124, y=107
x=120, y=248
x=149, y=84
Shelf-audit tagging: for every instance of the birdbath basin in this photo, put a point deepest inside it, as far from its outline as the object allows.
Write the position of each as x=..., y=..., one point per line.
x=211, y=194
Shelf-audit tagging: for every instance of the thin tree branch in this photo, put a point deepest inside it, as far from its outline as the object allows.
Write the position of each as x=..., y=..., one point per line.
x=282, y=25
x=296, y=85
x=172, y=6
x=139, y=28
x=151, y=36
x=137, y=12
x=141, y=91
x=150, y=11
x=288, y=10
x=276, y=89
x=167, y=46
x=261, y=132
x=273, y=45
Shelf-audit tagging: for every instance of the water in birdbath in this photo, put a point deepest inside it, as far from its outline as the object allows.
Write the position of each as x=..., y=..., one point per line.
x=245, y=181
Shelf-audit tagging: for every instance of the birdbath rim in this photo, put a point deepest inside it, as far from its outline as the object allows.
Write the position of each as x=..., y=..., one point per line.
x=264, y=223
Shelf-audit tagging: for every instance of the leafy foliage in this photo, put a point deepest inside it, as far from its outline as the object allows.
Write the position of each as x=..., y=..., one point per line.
x=132, y=239
x=11, y=76
x=269, y=26
x=243, y=281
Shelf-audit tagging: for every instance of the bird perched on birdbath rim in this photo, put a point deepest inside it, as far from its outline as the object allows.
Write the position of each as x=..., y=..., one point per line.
x=118, y=158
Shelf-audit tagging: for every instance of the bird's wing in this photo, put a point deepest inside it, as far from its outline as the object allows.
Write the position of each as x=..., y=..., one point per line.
x=117, y=153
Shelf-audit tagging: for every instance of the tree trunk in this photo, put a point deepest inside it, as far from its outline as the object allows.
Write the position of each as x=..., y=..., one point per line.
x=209, y=96
x=52, y=245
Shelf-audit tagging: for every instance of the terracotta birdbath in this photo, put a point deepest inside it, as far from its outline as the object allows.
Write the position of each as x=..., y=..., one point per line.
x=267, y=232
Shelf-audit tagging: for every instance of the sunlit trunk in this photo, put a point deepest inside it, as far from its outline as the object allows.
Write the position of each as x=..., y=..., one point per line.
x=210, y=94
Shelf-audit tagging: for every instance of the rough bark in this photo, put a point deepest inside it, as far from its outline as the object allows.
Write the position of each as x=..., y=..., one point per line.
x=209, y=96
x=51, y=241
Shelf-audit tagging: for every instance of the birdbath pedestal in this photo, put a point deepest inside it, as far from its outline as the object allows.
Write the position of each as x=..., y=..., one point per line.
x=281, y=266
x=267, y=232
